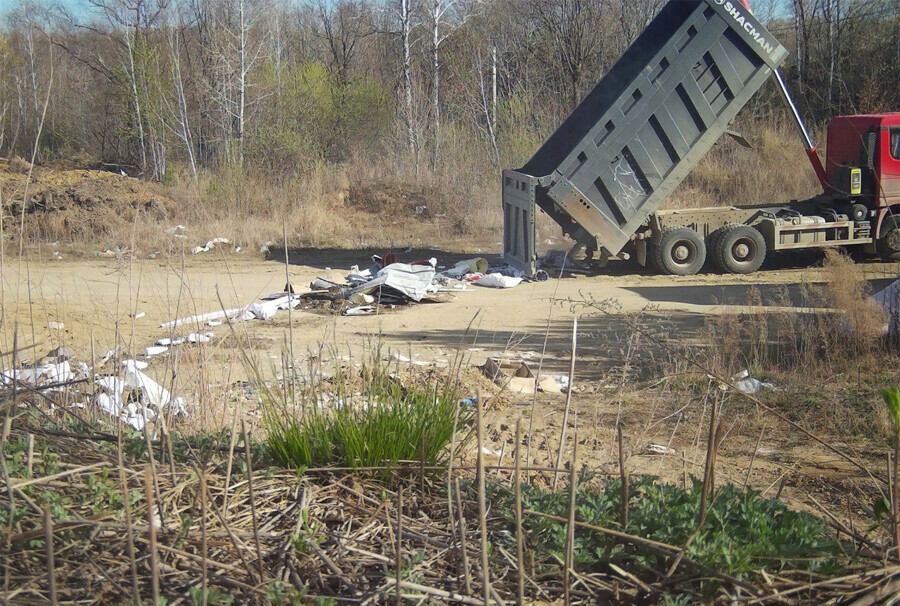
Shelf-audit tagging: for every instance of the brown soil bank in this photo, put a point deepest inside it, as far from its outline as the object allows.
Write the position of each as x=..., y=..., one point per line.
x=76, y=205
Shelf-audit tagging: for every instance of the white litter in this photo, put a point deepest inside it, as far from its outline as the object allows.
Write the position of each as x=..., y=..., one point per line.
x=199, y=338
x=747, y=384
x=260, y=310
x=138, y=315
x=55, y=325
x=57, y=372
x=152, y=398
x=155, y=350
x=362, y=299
x=498, y=281
x=362, y=310
x=657, y=449
x=209, y=245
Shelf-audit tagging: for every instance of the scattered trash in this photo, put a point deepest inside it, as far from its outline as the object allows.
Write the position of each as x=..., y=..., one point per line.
x=411, y=281
x=176, y=230
x=498, y=280
x=55, y=325
x=209, y=245
x=404, y=360
x=61, y=353
x=656, y=449
x=469, y=266
x=512, y=375
x=747, y=384
x=146, y=398
x=259, y=310
x=155, y=350
x=362, y=299
x=138, y=315
x=554, y=384
x=362, y=310
x=198, y=338
x=54, y=372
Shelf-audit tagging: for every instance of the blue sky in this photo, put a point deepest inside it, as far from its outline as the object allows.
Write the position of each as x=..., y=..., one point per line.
x=6, y=5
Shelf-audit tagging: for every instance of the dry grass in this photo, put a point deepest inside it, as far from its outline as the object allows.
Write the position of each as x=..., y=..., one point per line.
x=775, y=171
x=369, y=200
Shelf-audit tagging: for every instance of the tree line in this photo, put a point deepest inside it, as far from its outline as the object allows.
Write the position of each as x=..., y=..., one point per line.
x=144, y=86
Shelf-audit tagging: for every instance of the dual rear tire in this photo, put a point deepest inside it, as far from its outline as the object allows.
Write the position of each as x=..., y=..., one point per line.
x=738, y=249
x=681, y=251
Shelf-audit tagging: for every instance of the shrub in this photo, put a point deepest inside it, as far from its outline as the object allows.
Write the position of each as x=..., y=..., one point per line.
x=382, y=425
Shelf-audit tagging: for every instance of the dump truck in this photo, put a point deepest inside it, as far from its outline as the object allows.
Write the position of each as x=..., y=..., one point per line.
x=604, y=174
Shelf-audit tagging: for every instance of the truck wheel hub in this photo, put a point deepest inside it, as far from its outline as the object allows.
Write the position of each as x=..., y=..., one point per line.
x=741, y=250
x=893, y=239
x=681, y=253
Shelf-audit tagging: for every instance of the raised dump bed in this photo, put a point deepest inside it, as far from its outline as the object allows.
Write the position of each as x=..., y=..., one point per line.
x=641, y=130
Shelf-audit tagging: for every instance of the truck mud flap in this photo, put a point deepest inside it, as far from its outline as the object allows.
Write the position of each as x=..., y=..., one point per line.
x=518, y=221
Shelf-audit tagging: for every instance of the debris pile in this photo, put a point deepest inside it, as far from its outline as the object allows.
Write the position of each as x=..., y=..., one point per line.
x=389, y=283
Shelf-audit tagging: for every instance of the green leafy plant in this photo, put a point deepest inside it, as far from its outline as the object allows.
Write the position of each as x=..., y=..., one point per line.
x=892, y=401
x=742, y=533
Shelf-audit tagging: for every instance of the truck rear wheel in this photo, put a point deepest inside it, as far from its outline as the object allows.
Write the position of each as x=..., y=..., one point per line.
x=889, y=243
x=739, y=249
x=681, y=251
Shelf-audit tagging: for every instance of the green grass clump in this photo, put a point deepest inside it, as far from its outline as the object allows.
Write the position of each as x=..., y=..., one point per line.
x=742, y=533
x=382, y=425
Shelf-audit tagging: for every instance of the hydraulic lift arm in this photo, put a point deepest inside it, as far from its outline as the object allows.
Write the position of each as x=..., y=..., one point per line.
x=804, y=134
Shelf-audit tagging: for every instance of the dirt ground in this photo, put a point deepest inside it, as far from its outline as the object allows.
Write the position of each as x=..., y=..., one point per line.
x=93, y=305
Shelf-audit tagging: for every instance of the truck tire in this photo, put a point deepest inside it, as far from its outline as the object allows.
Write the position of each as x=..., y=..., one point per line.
x=889, y=243
x=681, y=251
x=859, y=212
x=740, y=249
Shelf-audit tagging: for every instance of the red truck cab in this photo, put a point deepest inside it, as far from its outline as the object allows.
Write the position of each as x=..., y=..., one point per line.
x=870, y=143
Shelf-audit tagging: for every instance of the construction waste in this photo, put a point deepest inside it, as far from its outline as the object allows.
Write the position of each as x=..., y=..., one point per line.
x=389, y=283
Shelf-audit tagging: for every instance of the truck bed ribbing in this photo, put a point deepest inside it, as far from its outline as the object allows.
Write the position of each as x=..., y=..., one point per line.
x=641, y=130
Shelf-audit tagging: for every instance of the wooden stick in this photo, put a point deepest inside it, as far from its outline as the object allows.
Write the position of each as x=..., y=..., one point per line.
x=624, y=478
x=129, y=522
x=399, y=599
x=438, y=593
x=30, y=454
x=252, y=501
x=710, y=448
x=204, y=565
x=562, y=431
x=570, y=526
x=520, y=551
x=755, y=452
x=462, y=537
x=51, y=563
x=154, y=558
x=482, y=507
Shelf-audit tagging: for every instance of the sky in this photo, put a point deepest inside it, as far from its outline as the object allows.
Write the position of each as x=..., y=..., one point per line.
x=6, y=5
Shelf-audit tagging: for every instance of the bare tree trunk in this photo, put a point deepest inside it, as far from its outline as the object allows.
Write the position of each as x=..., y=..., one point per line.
x=138, y=115
x=494, y=85
x=406, y=75
x=242, y=85
x=437, y=10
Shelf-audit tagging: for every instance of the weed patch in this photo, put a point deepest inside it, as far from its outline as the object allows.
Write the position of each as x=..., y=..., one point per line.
x=382, y=425
x=742, y=533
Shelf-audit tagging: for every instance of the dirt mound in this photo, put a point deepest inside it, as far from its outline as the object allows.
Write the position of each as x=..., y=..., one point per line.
x=397, y=199
x=77, y=206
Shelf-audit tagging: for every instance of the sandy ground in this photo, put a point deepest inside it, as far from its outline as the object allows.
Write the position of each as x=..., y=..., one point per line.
x=100, y=303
